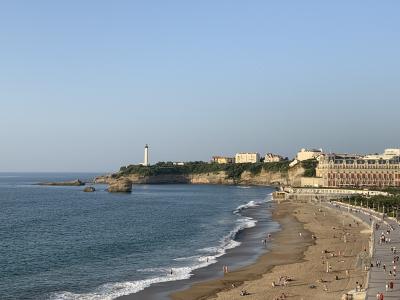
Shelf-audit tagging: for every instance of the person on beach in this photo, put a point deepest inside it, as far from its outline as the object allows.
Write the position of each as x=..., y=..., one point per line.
x=225, y=268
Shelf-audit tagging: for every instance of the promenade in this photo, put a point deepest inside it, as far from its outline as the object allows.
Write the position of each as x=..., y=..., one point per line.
x=382, y=252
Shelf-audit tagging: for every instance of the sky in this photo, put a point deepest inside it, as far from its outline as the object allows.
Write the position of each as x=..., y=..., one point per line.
x=84, y=85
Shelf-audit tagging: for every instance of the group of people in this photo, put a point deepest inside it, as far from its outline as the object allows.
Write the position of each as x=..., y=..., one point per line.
x=282, y=281
x=264, y=241
x=359, y=287
x=385, y=239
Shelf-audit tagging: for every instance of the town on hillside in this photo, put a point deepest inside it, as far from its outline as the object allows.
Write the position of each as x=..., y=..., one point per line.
x=332, y=170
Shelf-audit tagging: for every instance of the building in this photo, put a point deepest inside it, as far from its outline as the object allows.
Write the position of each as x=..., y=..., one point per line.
x=270, y=157
x=146, y=161
x=306, y=154
x=246, y=157
x=345, y=170
x=223, y=160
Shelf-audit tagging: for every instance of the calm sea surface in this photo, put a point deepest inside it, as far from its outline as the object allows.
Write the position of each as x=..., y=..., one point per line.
x=62, y=243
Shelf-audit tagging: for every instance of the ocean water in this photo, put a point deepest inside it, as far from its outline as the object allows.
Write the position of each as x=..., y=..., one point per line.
x=62, y=243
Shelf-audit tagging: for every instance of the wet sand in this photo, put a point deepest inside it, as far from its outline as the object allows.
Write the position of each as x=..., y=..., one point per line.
x=299, y=257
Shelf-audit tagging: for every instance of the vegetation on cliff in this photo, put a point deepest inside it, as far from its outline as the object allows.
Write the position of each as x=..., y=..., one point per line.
x=309, y=166
x=233, y=171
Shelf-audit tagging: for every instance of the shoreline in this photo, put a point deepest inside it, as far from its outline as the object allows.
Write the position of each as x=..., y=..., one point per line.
x=245, y=254
x=310, y=267
x=288, y=251
x=289, y=226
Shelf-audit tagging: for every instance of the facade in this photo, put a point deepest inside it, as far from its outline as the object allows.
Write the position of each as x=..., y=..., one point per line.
x=306, y=154
x=344, y=170
x=252, y=157
x=223, y=160
x=270, y=157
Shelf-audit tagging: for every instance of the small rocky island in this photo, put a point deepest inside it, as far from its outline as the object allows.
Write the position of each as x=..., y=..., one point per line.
x=120, y=186
x=89, y=189
x=76, y=182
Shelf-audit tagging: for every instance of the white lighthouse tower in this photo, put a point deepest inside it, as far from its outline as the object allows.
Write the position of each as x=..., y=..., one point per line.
x=146, y=156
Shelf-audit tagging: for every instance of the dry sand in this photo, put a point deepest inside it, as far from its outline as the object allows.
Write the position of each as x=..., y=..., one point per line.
x=299, y=257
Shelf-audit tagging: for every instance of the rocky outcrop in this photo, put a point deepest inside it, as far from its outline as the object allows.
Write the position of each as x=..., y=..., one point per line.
x=89, y=189
x=291, y=177
x=120, y=186
x=76, y=182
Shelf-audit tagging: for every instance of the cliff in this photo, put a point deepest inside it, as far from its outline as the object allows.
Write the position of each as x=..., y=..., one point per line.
x=264, y=177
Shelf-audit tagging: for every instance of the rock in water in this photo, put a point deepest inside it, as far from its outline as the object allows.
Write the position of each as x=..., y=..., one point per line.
x=120, y=186
x=76, y=182
x=89, y=189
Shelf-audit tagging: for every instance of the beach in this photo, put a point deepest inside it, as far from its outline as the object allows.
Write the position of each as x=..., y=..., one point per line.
x=296, y=255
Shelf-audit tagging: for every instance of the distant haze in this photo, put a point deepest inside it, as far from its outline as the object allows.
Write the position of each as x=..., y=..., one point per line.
x=84, y=85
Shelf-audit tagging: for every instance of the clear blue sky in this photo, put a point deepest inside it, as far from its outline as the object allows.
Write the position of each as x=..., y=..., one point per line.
x=85, y=84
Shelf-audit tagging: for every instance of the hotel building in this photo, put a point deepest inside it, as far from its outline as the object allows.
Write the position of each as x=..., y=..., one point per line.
x=344, y=170
x=305, y=154
x=241, y=158
x=223, y=160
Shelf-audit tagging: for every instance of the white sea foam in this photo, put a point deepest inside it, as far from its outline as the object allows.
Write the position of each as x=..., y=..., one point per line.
x=251, y=203
x=111, y=291
x=207, y=257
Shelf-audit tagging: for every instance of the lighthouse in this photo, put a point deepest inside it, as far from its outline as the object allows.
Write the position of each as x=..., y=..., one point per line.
x=146, y=156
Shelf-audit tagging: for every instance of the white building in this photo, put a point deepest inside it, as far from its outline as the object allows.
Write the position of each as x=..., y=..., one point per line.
x=247, y=157
x=387, y=154
x=306, y=154
x=270, y=157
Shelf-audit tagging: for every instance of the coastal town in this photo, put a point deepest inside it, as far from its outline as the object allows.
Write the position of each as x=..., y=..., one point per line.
x=332, y=170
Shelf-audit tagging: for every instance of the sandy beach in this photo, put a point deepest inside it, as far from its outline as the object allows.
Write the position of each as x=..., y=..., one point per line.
x=296, y=255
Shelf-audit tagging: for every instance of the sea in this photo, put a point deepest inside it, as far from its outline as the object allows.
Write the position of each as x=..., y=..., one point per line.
x=62, y=243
